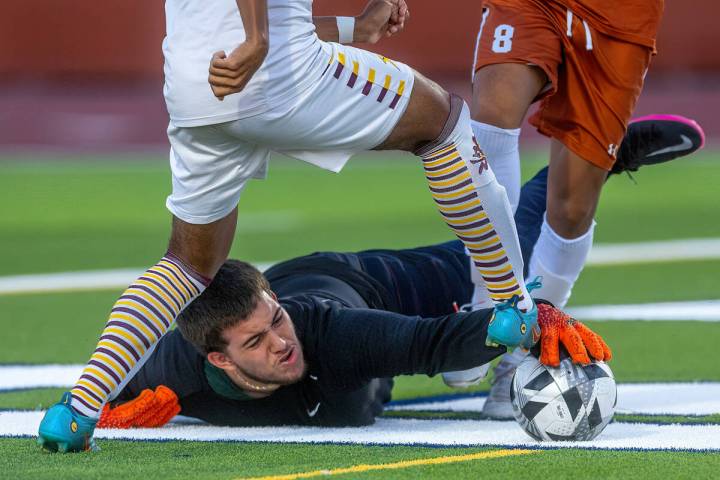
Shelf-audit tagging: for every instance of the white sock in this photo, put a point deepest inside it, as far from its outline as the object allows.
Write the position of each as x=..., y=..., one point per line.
x=475, y=205
x=503, y=153
x=480, y=297
x=559, y=262
x=498, y=208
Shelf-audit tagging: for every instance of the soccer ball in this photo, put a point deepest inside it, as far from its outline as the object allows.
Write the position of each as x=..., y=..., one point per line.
x=571, y=402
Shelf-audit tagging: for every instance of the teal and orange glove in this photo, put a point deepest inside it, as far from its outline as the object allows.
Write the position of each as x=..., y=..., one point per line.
x=557, y=327
x=148, y=410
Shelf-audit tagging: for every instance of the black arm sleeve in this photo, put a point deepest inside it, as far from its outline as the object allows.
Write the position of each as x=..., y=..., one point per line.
x=175, y=363
x=353, y=346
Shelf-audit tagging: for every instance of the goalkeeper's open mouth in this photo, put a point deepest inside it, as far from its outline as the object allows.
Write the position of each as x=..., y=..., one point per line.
x=290, y=358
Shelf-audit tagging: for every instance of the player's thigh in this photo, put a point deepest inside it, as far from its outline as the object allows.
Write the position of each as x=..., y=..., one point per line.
x=352, y=107
x=517, y=53
x=503, y=92
x=209, y=171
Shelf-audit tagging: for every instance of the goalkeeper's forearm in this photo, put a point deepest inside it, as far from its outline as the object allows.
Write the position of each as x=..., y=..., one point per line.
x=363, y=344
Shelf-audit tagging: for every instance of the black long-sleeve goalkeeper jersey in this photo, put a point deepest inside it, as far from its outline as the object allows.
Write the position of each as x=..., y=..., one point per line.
x=351, y=351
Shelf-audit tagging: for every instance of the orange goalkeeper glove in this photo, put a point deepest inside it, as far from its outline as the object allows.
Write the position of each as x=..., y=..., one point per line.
x=557, y=327
x=150, y=409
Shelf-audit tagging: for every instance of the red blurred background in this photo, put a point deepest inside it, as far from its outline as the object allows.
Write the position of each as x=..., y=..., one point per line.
x=87, y=75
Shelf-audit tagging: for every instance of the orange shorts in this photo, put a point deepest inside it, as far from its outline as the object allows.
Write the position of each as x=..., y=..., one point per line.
x=595, y=79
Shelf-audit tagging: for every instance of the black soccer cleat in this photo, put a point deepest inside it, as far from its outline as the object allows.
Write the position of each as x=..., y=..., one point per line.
x=656, y=139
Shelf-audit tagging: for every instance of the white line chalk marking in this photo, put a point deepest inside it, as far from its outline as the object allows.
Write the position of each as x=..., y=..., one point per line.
x=388, y=431
x=702, y=311
x=75, y=281
x=654, y=252
x=639, y=398
x=13, y=377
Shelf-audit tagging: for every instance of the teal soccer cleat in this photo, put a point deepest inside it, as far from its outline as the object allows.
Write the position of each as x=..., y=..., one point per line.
x=65, y=430
x=513, y=328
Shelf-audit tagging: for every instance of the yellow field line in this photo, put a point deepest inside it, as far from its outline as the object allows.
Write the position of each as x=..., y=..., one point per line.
x=396, y=465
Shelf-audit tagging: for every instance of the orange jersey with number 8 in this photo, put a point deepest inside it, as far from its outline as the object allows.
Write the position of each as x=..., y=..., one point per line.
x=595, y=54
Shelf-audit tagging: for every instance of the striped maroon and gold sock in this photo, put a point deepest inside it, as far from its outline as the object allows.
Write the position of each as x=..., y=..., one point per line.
x=139, y=318
x=475, y=206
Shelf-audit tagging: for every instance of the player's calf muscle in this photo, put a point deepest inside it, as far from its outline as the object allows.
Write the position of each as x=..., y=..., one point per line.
x=574, y=187
x=570, y=218
x=203, y=247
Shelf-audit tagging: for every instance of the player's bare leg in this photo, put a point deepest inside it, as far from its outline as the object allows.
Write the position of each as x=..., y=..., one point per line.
x=203, y=247
x=424, y=117
x=574, y=186
x=140, y=317
x=472, y=202
x=503, y=92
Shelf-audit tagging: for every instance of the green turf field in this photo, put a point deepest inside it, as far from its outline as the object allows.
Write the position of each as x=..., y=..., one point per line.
x=81, y=214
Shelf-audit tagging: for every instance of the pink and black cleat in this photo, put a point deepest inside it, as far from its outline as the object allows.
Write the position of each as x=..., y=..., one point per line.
x=656, y=139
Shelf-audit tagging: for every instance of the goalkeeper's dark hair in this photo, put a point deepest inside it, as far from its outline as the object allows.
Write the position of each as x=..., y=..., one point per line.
x=231, y=297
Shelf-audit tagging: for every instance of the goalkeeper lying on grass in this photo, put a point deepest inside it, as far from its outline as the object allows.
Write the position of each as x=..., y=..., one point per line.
x=311, y=358
x=317, y=339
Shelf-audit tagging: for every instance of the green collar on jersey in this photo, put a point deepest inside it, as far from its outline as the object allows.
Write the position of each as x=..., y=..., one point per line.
x=222, y=385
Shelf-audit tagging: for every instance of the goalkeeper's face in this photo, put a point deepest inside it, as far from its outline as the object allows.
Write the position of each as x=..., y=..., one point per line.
x=263, y=350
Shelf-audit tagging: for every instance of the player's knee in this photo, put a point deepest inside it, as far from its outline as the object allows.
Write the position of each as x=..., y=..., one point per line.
x=569, y=217
x=492, y=113
x=428, y=110
x=424, y=118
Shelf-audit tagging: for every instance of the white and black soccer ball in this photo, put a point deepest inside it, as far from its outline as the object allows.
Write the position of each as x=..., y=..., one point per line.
x=572, y=402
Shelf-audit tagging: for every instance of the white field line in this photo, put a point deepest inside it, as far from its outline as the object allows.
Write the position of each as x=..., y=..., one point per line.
x=607, y=254
x=639, y=398
x=654, y=252
x=75, y=281
x=650, y=398
x=388, y=431
x=703, y=311
x=13, y=377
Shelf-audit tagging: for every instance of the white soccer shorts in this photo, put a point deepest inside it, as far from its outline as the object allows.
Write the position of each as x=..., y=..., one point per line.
x=353, y=107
